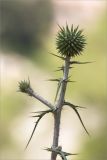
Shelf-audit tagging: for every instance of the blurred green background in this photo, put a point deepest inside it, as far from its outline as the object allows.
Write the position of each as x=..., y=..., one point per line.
x=27, y=36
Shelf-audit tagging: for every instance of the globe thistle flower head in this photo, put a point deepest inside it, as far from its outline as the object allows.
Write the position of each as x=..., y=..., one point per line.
x=70, y=41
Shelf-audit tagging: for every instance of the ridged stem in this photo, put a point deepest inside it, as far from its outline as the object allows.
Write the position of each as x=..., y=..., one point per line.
x=57, y=113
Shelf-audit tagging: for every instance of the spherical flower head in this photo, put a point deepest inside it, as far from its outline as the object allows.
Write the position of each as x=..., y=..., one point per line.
x=70, y=41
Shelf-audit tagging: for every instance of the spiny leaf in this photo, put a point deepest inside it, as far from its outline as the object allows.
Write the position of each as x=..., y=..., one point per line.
x=77, y=62
x=39, y=118
x=75, y=106
x=76, y=111
x=57, y=56
x=38, y=112
x=60, y=68
x=81, y=120
x=69, y=81
x=33, y=132
x=68, y=154
x=70, y=67
x=35, y=116
x=57, y=80
x=59, y=151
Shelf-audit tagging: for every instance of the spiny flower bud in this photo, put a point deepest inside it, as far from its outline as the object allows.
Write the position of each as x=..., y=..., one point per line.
x=70, y=42
x=24, y=86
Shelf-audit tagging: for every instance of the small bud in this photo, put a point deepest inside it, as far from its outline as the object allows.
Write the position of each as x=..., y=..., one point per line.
x=24, y=86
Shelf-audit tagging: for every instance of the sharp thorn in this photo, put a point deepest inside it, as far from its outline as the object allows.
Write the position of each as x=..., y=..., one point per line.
x=58, y=70
x=77, y=62
x=76, y=111
x=36, y=123
x=57, y=56
x=57, y=80
x=80, y=107
x=71, y=81
x=34, y=116
x=37, y=112
x=81, y=121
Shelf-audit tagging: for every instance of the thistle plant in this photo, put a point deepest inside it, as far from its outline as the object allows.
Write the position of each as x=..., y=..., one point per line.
x=70, y=42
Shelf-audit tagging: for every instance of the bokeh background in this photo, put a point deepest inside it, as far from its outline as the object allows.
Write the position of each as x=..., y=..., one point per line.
x=27, y=35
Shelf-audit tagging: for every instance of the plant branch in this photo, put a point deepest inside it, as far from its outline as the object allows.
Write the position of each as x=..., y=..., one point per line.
x=41, y=99
x=25, y=87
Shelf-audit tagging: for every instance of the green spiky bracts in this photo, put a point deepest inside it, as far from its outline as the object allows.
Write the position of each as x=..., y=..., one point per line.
x=70, y=41
x=24, y=86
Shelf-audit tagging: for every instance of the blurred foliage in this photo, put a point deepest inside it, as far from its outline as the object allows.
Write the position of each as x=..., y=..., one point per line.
x=96, y=148
x=10, y=108
x=24, y=24
x=5, y=141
